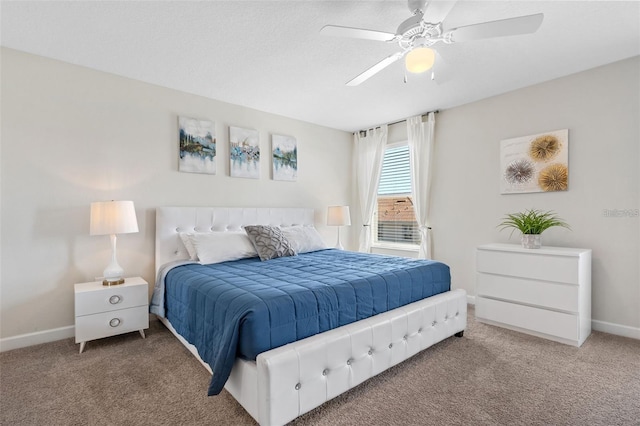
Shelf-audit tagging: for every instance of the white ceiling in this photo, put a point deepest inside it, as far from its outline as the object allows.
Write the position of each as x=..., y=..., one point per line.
x=269, y=55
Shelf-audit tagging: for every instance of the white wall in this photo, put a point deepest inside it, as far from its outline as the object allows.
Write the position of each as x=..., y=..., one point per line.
x=71, y=136
x=601, y=109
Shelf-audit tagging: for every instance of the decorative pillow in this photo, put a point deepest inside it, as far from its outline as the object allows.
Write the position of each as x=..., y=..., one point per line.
x=269, y=241
x=187, y=240
x=216, y=247
x=304, y=239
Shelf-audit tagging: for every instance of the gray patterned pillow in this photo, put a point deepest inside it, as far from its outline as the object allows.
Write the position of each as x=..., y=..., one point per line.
x=269, y=241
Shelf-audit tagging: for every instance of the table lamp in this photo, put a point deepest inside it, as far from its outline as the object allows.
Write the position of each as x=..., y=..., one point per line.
x=338, y=216
x=111, y=218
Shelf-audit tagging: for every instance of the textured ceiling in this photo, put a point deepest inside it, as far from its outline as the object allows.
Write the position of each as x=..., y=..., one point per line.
x=269, y=55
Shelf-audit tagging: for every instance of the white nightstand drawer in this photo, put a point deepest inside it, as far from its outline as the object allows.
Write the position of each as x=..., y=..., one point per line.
x=94, y=297
x=534, y=264
x=540, y=320
x=551, y=295
x=96, y=326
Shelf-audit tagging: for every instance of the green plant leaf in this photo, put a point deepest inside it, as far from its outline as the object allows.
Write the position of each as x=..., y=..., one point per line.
x=531, y=221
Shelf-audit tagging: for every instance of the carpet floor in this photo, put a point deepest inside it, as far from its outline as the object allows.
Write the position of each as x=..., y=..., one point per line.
x=491, y=376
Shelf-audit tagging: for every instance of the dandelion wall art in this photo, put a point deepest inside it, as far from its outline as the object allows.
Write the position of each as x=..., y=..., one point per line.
x=536, y=163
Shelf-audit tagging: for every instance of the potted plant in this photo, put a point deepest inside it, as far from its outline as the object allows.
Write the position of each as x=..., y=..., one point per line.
x=532, y=223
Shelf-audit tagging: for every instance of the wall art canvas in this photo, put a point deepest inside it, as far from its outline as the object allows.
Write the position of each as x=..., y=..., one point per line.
x=284, y=154
x=244, y=153
x=536, y=163
x=197, y=146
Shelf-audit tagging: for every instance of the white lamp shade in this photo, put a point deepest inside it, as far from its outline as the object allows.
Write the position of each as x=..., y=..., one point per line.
x=338, y=216
x=420, y=59
x=113, y=217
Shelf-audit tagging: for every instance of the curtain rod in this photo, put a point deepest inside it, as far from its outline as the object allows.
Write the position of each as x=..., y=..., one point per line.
x=401, y=121
x=422, y=115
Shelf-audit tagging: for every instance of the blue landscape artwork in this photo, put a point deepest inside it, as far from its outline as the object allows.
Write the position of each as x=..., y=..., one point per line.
x=285, y=157
x=244, y=153
x=197, y=146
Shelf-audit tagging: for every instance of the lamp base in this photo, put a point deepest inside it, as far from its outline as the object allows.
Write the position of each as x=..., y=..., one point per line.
x=117, y=281
x=338, y=243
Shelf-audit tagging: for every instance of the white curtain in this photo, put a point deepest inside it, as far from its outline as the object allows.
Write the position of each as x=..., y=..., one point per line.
x=420, y=136
x=368, y=156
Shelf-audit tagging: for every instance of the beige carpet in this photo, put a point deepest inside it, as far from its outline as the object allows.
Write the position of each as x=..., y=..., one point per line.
x=491, y=376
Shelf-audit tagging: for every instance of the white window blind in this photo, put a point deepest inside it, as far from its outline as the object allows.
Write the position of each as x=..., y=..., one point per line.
x=395, y=218
x=395, y=178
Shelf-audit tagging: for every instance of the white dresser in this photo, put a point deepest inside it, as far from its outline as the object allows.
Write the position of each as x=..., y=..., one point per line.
x=103, y=311
x=545, y=292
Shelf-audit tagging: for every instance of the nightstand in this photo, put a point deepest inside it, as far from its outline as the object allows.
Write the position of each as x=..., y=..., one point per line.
x=103, y=311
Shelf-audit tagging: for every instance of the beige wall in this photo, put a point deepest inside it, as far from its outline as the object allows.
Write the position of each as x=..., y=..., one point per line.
x=601, y=109
x=71, y=136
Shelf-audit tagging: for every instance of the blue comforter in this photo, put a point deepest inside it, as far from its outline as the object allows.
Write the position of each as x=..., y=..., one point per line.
x=246, y=307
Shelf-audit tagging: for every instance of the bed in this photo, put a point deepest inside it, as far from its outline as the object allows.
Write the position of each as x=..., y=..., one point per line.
x=286, y=381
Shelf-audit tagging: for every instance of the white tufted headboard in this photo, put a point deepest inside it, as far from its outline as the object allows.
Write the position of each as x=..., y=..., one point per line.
x=170, y=221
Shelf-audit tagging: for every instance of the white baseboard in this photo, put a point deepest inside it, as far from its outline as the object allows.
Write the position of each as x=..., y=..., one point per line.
x=617, y=329
x=30, y=339
x=605, y=327
x=46, y=336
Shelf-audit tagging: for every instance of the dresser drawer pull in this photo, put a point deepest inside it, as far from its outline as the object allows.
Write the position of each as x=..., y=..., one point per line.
x=115, y=299
x=114, y=322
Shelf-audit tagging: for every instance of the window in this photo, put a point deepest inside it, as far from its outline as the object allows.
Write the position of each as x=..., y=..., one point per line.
x=394, y=219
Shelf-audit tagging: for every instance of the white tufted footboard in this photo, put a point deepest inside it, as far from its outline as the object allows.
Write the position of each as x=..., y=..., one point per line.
x=291, y=380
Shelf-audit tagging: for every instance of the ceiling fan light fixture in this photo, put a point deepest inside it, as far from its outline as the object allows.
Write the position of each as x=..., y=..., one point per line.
x=419, y=60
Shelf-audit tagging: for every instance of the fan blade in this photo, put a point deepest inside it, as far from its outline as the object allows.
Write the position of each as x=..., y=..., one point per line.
x=442, y=72
x=505, y=27
x=437, y=11
x=335, y=30
x=375, y=69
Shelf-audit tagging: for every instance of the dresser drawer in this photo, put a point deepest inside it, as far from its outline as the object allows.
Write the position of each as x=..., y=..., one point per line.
x=110, y=298
x=104, y=324
x=531, y=265
x=563, y=297
x=535, y=319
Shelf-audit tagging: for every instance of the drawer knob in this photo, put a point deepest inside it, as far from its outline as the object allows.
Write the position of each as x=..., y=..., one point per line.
x=115, y=299
x=114, y=322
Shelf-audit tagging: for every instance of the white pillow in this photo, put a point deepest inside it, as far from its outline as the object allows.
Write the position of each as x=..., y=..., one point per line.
x=187, y=240
x=216, y=247
x=304, y=239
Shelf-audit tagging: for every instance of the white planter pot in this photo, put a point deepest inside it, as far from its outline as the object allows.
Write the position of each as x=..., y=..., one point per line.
x=531, y=241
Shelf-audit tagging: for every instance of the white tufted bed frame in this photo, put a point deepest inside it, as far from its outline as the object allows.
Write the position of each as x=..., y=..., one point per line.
x=288, y=381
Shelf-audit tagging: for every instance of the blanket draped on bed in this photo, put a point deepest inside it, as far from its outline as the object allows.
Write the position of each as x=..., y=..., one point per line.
x=246, y=307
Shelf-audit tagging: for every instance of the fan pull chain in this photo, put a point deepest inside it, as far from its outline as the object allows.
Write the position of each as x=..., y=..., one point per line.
x=405, y=77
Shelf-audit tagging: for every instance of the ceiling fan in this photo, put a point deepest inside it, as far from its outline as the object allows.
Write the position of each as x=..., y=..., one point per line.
x=416, y=35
